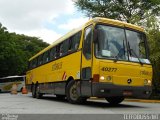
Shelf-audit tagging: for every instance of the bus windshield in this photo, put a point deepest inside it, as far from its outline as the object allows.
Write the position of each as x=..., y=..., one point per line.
x=121, y=44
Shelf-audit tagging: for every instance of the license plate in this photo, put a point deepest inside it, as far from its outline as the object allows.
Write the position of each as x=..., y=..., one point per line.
x=127, y=93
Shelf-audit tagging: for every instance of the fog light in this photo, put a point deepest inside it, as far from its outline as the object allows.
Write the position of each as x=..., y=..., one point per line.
x=109, y=78
x=145, y=81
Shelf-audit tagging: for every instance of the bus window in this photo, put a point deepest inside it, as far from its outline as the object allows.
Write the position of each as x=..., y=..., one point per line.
x=61, y=49
x=58, y=47
x=76, y=40
x=87, y=43
x=65, y=47
x=40, y=59
x=46, y=57
x=52, y=53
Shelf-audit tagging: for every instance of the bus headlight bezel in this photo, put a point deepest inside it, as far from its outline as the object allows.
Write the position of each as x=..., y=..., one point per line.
x=147, y=82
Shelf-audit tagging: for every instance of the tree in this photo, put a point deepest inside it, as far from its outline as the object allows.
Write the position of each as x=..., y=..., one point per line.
x=153, y=34
x=132, y=11
x=15, y=50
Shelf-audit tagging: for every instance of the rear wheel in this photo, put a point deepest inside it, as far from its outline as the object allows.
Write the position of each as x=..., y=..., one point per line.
x=33, y=90
x=73, y=94
x=114, y=100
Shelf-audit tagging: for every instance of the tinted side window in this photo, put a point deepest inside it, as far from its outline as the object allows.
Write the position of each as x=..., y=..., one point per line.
x=52, y=53
x=87, y=43
x=65, y=47
x=57, y=51
x=46, y=57
x=60, y=49
x=75, y=40
x=40, y=59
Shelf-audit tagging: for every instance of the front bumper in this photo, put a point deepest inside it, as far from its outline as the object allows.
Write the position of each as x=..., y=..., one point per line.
x=111, y=90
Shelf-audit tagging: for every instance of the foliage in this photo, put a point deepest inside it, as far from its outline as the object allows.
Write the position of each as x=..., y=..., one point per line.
x=15, y=50
x=154, y=43
x=132, y=11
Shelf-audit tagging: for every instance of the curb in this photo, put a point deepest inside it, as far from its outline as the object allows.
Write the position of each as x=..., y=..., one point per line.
x=132, y=100
x=142, y=101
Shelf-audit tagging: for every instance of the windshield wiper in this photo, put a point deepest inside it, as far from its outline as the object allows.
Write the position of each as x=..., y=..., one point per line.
x=132, y=51
x=119, y=54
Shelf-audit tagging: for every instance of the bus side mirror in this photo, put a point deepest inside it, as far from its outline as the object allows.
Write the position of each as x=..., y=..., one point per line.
x=95, y=36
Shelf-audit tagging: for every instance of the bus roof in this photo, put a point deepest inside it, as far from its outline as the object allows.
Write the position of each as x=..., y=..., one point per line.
x=94, y=20
x=16, y=76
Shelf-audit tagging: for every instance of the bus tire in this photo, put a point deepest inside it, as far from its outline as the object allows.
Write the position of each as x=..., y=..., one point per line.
x=72, y=94
x=114, y=100
x=34, y=91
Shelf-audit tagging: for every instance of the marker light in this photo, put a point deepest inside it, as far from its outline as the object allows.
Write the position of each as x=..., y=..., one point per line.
x=147, y=81
x=96, y=78
x=109, y=78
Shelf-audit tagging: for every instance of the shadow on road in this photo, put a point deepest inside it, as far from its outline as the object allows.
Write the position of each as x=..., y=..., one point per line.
x=94, y=103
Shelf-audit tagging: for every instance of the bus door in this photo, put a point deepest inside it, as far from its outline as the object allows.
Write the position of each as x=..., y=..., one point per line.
x=86, y=63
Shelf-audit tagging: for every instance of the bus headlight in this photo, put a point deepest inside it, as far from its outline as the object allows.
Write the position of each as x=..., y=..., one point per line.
x=102, y=78
x=149, y=81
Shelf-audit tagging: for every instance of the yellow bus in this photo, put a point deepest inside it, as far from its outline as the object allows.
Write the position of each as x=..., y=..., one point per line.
x=104, y=58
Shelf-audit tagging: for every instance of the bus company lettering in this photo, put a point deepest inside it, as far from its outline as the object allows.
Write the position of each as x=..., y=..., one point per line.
x=56, y=66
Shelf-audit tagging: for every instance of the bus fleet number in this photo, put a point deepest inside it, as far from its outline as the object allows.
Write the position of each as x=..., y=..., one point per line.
x=108, y=69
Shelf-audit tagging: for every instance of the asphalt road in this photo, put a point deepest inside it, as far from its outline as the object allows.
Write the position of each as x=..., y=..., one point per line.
x=25, y=104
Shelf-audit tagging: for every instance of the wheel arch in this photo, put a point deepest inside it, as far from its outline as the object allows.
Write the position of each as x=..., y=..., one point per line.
x=68, y=80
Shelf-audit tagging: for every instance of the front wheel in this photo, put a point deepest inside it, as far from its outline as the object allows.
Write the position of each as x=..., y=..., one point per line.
x=114, y=100
x=72, y=93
